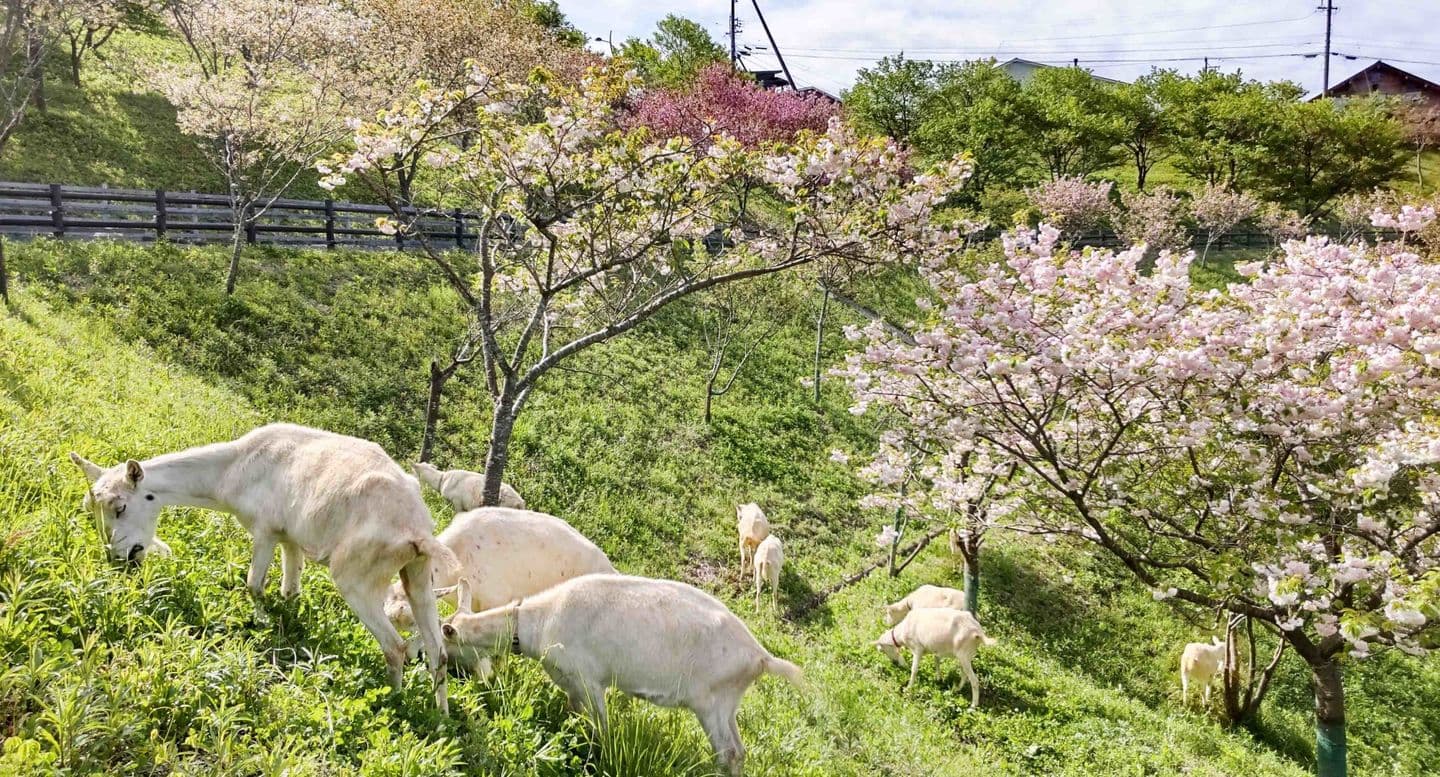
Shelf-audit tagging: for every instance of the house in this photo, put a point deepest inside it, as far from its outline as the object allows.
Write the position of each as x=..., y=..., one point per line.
x=1384, y=78
x=1021, y=70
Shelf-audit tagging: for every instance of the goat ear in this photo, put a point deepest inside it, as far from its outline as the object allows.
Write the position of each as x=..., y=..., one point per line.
x=134, y=472
x=448, y=630
x=91, y=469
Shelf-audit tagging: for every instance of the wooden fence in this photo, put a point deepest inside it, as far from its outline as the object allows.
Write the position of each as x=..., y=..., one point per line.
x=146, y=215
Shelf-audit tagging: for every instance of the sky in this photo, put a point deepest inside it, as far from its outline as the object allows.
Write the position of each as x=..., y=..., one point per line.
x=826, y=41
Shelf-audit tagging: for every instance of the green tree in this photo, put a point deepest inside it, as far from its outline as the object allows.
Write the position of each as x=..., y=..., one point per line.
x=981, y=110
x=1220, y=120
x=675, y=54
x=894, y=97
x=1073, y=127
x=548, y=15
x=1317, y=151
x=1146, y=130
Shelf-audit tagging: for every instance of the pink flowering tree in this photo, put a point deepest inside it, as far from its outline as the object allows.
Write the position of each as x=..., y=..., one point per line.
x=262, y=86
x=722, y=101
x=587, y=229
x=1281, y=224
x=1268, y=449
x=1073, y=205
x=1153, y=219
x=1218, y=210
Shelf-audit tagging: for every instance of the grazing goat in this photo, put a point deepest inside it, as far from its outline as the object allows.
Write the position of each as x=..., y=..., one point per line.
x=463, y=489
x=753, y=528
x=924, y=596
x=340, y=501
x=769, y=557
x=666, y=642
x=503, y=555
x=1200, y=663
x=940, y=630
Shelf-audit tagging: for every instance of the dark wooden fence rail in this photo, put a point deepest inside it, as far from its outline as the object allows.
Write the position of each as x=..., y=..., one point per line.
x=146, y=215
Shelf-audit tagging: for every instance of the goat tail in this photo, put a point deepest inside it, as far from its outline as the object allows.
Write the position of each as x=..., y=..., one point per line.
x=987, y=640
x=437, y=552
x=785, y=670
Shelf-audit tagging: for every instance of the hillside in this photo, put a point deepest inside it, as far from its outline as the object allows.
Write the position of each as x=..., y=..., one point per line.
x=124, y=351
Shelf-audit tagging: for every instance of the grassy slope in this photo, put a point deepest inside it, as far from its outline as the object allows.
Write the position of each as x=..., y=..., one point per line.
x=117, y=350
x=115, y=131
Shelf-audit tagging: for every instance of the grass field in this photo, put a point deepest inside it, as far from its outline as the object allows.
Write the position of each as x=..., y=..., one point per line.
x=118, y=350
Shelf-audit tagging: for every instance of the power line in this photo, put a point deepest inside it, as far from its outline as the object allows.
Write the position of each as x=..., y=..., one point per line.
x=1195, y=58
x=1051, y=50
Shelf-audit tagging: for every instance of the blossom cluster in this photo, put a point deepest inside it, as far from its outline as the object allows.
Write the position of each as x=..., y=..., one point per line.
x=1266, y=447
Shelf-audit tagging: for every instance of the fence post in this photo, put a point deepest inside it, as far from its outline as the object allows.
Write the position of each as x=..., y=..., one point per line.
x=459, y=229
x=161, y=217
x=329, y=223
x=57, y=210
x=4, y=274
x=250, y=235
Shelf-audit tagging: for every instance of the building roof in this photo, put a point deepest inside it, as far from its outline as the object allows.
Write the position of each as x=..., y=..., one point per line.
x=1381, y=66
x=1038, y=65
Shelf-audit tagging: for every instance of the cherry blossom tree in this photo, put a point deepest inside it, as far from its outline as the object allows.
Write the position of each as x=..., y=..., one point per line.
x=1281, y=224
x=262, y=88
x=28, y=29
x=722, y=101
x=1072, y=204
x=88, y=25
x=587, y=230
x=1268, y=449
x=1153, y=219
x=438, y=41
x=1218, y=210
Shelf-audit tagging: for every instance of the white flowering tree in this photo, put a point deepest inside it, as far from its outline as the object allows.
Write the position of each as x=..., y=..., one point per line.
x=1073, y=205
x=587, y=230
x=953, y=488
x=28, y=30
x=87, y=25
x=1218, y=210
x=1269, y=449
x=261, y=87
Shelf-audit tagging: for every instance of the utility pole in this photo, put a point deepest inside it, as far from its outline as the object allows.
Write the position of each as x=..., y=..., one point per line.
x=734, y=57
x=1329, y=9
x=771, y=38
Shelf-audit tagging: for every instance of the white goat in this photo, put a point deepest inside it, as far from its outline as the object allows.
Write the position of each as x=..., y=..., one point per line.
x=340, y=501
x=942, y=631
x=666, y=642
x=924, y=596
x=753, y=528
x=463, y=489
x=1200, y=663
x=503, y=555
x=769, y=558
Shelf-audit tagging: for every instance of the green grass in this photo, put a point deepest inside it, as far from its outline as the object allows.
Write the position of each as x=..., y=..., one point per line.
x=118, y=350
x=114, y=130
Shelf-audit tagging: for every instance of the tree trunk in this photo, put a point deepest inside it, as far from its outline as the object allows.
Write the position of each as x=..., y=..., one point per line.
x=502, y=426
x=438, y=378
x=1329, y=719
x=709, y=399
x=34, y=50
x=820, y=339
x=237, y=242
x=970, y=552
x=1419, y=169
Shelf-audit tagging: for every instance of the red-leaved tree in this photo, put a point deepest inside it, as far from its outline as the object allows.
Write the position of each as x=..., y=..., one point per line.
x=723, y=101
